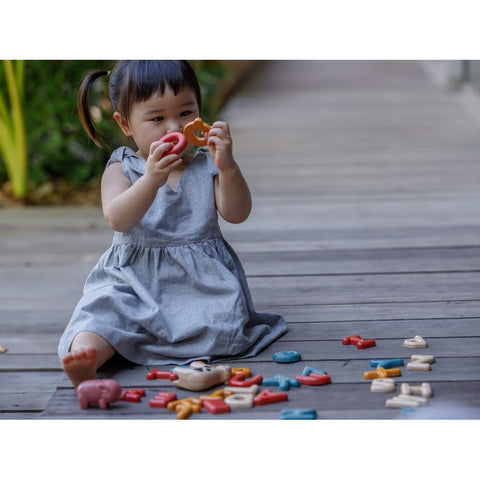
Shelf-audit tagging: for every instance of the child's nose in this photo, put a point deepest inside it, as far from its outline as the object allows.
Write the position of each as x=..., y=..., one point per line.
x=174, y=126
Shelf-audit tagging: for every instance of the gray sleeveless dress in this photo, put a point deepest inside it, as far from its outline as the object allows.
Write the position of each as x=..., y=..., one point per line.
x=171, y=290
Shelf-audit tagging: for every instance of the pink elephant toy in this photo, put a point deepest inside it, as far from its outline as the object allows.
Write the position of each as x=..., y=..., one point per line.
x=102, y=392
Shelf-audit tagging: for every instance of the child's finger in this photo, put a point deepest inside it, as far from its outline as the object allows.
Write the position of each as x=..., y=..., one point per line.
x=168, y=160
x=221, y=133
x=222, y=126
x=153, y=147
x=166, y=169
x=158, y=149
x=212, y=140
x=219, y=140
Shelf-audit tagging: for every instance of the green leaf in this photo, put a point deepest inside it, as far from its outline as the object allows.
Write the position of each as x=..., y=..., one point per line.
x=12, y=128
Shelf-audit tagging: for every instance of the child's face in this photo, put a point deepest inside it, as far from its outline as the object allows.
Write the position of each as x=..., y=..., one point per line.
x=160, y=114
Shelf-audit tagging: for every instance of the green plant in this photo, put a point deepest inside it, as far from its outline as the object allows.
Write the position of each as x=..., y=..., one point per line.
x=58, y=147
x=61, y=157
x=210, y=73
x=13, y=148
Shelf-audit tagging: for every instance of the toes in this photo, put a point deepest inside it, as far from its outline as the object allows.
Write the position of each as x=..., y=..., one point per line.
x=90, y=353
x=82, y=354
x=72, y=356
x=78, y=354
x=67, y=358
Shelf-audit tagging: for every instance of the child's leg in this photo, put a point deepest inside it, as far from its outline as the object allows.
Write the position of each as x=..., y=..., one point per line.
x=87, y=352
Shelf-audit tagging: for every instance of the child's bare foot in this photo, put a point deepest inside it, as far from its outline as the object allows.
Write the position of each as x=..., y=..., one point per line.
x=80, y=365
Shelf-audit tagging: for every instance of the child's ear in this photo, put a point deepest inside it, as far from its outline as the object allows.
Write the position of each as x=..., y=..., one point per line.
x=122, y=123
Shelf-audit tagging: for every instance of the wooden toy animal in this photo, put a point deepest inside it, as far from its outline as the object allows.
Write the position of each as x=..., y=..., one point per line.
x=102, y=392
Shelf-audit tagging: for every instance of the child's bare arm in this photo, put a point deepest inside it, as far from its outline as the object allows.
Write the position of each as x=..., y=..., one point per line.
x=232, y=195
x=125, y=204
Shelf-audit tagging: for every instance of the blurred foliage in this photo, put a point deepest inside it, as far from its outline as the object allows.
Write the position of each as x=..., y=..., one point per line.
x=58, y=147
x=210, y=75
x=61, y=157
x=12, y=127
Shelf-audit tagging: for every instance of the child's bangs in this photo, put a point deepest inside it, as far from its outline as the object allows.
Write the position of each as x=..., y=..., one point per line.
x=136, y=81
x=152, y=78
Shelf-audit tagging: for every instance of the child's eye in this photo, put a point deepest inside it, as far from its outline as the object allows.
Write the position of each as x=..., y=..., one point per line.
x=157, y=119
x=186, y=113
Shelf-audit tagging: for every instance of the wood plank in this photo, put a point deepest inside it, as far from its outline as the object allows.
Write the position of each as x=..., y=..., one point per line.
x=314, y=290
x=71, y=250
x=16, y=415
x=374, y=311
x=350, y=371
x=389, y=180
x=32, y=352
x=24, y=402
x=316, y=326
x=451, y=399
x=347, y=369
x=291, y=230
x=26, y=392
x=56, y=220
x=60, y=287
x=331, y=237
x=45, y=343
x=361, y=261
x=26, y=320
x=11, y=382
x=50, y=286
x=386, y=348
x=30, y=344
x=398, y=329
x=394, y=316
x=30, y=362
x=374, y=211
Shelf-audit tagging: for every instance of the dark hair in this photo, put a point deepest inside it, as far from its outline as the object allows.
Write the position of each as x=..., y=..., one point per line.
x=134, y=81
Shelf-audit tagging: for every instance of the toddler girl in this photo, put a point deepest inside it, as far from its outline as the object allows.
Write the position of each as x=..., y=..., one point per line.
x=170, y=289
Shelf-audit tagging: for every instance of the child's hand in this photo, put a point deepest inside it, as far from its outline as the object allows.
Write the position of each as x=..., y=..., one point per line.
x=158, y=167
x=219, y=142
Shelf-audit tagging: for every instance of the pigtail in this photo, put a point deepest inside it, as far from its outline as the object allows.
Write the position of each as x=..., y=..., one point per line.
x=84, y=108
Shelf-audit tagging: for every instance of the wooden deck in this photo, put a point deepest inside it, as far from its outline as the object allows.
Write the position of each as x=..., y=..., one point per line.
x=366, y=221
